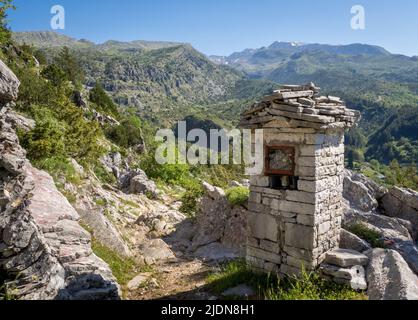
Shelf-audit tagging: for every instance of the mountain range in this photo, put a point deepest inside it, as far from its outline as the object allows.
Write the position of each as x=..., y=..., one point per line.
x=169, y=81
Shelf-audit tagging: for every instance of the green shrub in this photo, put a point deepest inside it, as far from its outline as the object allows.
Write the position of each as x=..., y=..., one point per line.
x=102, y=101
x=61, y=129
x=174, y=174
x=55, y=75
x=371, y=236
x=103, y=175
x=59, y=167
x=238, y=195
x=190, y=199
x=47, y=139
x=127, y=134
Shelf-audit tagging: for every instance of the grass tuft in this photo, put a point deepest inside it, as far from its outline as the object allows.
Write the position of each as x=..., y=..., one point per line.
x=269, y=287
x=371, y=236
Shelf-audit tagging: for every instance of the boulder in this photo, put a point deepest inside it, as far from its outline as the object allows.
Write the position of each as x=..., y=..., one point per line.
x=137, y=182
x=354, y=276
x=408, y=251
x=9, y=84
x=360, y=192
x=218, y=221
x=346, y=258
x=403, y=204
x=389, y=277
x=395, y=231
x=156, y=251
x=390, y=228
x=350, y=241
x=375, y=190
x=138, y=281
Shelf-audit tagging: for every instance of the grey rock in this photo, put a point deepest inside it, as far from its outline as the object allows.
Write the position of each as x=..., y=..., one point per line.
x=358, y=193
x=216, y=252
x=350, y=241
x=242, y=291
x=408, y=251
x=403, y=204
x=9, y=84
x=138, y=281
x=16, y=120
x=346, y=258
x=137, y=182
x=218, y=221
x=156, y=251
x=389, y=277
x=44, y=252
x=104, y=231
x=390, y=228
x=355, y=276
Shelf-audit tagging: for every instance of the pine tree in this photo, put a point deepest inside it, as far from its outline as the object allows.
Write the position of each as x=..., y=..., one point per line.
x=69, y=64
x=5, y=35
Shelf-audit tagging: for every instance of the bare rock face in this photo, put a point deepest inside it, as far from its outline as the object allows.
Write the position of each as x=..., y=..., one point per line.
x=44, y=252
x=16, y=120
x=402, y=203
x=9, y=84
x=389, y=277
x=361, y=192
x=220, y=222
x=350, y=241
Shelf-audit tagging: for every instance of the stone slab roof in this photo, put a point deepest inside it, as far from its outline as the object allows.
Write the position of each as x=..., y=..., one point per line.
x=299, y=106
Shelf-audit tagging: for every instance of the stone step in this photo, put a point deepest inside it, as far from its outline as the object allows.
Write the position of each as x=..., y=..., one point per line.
x=346, y=258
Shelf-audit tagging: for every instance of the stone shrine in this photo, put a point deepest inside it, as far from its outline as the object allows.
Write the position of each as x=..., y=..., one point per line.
x=295, y=206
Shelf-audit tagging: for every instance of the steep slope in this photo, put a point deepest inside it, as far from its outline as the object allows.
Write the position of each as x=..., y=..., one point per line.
x=44, y=252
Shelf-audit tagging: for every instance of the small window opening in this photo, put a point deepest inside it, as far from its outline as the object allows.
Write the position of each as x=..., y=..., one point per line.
x=281, y=182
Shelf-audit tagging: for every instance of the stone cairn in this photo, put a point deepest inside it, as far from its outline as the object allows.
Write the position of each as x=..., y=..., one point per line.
x=295, y=218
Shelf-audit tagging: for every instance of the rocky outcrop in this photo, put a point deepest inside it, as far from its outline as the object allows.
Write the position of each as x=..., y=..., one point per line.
x=219, y=222
x=9, y=84
x=17, y=120
x=362, y=193
x=350, y=241
x=137, y=182
x=402, y=203
x=44, y=252
x=389, y=277
x=131, y=181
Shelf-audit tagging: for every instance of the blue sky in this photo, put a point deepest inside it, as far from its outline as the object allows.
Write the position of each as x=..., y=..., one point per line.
x=224, y=26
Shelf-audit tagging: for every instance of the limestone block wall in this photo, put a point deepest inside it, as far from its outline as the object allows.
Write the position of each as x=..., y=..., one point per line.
x=293, y=229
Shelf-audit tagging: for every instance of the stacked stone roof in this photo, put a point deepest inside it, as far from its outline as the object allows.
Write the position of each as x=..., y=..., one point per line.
x=300, y=106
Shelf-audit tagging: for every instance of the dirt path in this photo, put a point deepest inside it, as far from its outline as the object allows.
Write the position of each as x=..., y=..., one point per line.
x=182, y=280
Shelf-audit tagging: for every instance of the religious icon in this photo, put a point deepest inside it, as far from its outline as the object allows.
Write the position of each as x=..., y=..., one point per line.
x=280, y=160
